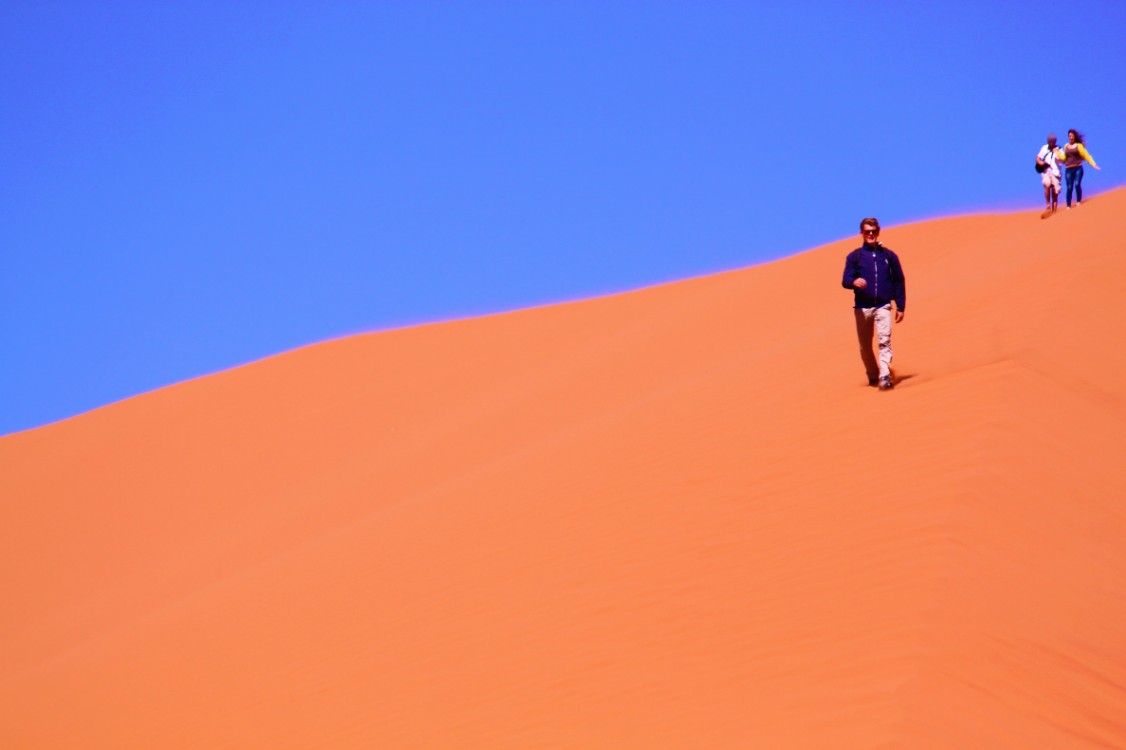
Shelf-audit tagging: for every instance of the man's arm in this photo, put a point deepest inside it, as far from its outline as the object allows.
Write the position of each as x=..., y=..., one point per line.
x=899, y=287
x=852, y=273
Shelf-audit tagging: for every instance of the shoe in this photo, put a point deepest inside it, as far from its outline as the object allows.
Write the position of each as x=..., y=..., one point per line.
x=873, y=381
x=886, y=384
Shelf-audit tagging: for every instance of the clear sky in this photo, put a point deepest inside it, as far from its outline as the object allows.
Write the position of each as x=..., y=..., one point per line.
x=190, y=186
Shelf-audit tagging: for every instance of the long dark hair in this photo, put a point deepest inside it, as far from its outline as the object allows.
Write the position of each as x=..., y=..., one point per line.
x=1078, y=135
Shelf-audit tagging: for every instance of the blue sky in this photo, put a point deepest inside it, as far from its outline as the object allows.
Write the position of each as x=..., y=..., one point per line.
x=187, y=187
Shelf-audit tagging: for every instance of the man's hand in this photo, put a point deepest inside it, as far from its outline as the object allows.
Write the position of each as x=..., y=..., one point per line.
x=859, y=283
x=898, y=316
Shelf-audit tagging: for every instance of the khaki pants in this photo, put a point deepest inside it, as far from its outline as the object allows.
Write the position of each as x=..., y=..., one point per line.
x=878, y=319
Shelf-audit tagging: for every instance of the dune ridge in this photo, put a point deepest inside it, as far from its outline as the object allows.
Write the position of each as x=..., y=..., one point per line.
x=672, y=518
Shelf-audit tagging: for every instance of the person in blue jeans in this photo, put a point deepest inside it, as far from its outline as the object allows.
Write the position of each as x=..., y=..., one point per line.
x=1074, y=154
x=875, y=275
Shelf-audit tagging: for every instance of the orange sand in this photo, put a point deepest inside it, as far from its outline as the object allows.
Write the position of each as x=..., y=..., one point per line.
x=674, y=518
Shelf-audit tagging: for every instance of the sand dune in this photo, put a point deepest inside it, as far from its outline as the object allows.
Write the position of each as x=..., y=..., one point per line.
x=674, y=518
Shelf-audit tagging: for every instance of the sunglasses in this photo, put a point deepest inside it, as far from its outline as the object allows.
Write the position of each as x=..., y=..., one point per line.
x=872, y=232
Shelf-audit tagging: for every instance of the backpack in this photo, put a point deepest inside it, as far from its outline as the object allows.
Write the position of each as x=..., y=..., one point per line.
x=1041, y=167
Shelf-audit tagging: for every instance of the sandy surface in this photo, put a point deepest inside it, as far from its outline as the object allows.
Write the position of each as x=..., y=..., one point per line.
x=675, y=518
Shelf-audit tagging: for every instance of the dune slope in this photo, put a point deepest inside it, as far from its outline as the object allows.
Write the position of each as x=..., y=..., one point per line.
x=674, y=518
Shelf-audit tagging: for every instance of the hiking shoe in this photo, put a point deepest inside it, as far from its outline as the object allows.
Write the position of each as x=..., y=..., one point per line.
x=886, y=384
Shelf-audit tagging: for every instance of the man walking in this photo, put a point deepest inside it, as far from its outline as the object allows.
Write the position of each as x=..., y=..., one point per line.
x=1048, y=162
x=876, y=278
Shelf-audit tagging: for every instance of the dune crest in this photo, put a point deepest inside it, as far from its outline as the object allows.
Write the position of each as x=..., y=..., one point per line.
x=673, y=518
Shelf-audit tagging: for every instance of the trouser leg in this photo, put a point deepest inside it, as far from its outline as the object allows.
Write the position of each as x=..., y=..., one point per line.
x=1070, y=174
x=883, y=339
x=1078, y=184
x=865, y=320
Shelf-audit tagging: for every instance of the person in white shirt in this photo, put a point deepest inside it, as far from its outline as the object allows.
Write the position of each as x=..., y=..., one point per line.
x=1049, y=158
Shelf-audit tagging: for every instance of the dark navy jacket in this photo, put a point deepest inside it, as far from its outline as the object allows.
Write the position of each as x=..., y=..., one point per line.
x=881, y=269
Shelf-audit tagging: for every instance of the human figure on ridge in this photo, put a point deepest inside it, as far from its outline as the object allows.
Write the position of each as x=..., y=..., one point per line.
x=1074, y=154
x=875, y=276
x=1047, y=164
